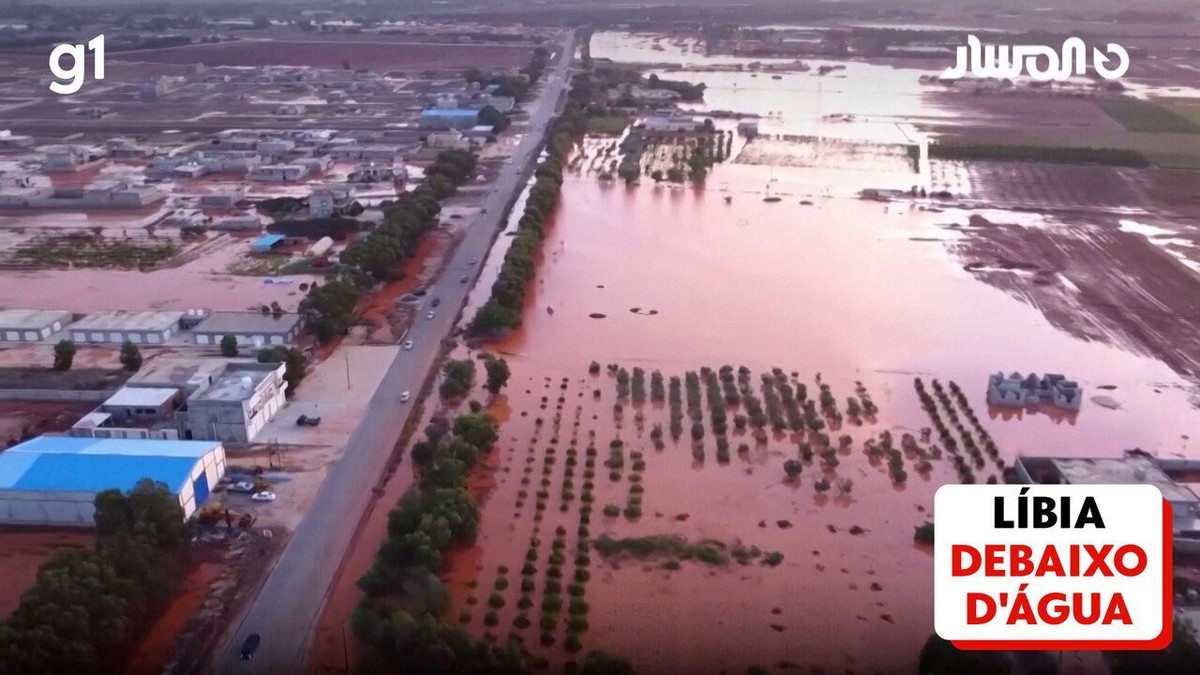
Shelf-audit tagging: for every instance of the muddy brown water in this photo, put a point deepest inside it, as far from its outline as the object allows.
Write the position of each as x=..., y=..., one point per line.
x=848, y=290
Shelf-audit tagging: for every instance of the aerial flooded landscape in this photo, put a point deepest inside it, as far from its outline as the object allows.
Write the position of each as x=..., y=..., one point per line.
x=631, y=339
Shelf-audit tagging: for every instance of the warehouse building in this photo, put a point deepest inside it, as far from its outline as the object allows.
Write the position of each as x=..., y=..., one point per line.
x=31, y=325
x=53, y=480
x=449, y=118
x=252, y=329
x=116, y=327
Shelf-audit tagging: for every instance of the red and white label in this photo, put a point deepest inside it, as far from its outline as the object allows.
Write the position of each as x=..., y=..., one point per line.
x=1052, y=566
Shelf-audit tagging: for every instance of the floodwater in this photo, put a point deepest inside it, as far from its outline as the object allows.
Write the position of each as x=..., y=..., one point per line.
x=835, y=289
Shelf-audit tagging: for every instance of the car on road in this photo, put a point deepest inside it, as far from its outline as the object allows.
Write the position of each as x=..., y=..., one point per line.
x=242, y=486
x=306, y=421
x=474, y=260
x=404, y=396
x=462, y=279
x=429, y=314
x=408, y=344
x=250, y=646
x=436, y=302
x=264, y=496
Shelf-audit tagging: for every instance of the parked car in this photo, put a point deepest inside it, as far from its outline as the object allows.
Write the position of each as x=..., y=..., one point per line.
x=306, y=421
x=250, y=646
x=264, y=496
x=462, y=279
x=408, y=344
x=429, y=314
x=404, y=396
x=242, y=486
x=474, y=260
x=436, y=302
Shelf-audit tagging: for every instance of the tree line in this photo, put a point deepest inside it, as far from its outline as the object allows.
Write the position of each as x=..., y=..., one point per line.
x=503, y=308
x=329, y=309
x=87, y=608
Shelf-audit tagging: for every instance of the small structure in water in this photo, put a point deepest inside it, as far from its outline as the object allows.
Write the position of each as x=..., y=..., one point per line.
x=1015, y=391
x=728, y=199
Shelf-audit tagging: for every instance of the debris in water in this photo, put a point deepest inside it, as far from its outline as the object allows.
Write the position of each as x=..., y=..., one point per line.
x=1106, y=402
x=783, y=524
x=777, y=628
x=856, y=530
x=875, y=586
x=831, y=528
x=887, y=618
x=597, y=315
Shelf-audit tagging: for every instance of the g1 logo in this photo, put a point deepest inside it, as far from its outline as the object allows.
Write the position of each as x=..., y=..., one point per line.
x=73, y=79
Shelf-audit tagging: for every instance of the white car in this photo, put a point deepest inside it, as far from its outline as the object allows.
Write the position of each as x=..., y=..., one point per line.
x=429, y=315
x=264, y=496
x=404, y=396
x=242, y=486
x=408, y=344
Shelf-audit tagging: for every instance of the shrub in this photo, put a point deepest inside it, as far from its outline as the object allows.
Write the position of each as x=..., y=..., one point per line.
x=671, y=564
x=582, y=575
x=614, y=475
x=547, y=639
x=575, y=590
x=527, y=584
x=525, y=602
x=773, y=558
x=491, y=619
x=521, y=621
x=554, y=572
x=632, y=512
x=548, y=623
x=528, y=569
x=464, y=616
x=551, y=604
x=496, y=601
x=501, y=583
x=572, y=642
x=577, y=624
x=553, y=587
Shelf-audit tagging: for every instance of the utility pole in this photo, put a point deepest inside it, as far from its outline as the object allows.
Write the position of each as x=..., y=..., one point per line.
x=347, y=358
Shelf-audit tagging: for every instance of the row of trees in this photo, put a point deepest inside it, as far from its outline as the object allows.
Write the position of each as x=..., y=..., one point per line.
x=65, y=350
x=329, y=309
x=516, y=86
x=503, y=308
x=87, y=608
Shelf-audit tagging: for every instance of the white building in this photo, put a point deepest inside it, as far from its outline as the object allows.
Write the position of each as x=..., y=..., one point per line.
x=237, y=405
x=116, y=327
x=447, y=140
x=279, y=173
x=31, y=325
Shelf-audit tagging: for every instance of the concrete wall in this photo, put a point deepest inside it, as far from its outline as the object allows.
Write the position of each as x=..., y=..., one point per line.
x=87, y=395
x=63, y=509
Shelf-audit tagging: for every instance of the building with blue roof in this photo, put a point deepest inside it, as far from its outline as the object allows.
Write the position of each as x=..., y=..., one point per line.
x=265, y=243
x=449, y=118
x=53, y=480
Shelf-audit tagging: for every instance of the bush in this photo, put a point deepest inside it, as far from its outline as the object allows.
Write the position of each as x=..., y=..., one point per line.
x=547, y=639
x=632, y=512
x=582, y=575
x=527, y=584
x=525, y=602
x=496, y=601
x=548, y=623
x=491, y=619
x=464, y=616
x=551, y=604
x=501, y=583
x=521, y=621
x=572, y=642
x=528, y=569
x=773, y=558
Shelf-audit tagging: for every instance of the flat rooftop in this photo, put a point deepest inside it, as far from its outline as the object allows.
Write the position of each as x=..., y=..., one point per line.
x=32, y=319
x=248, y=323
x=70, y=464
x=141, y=397
x=236, y=384
x=127, y=320
x=179, y=371
x=1115, y=471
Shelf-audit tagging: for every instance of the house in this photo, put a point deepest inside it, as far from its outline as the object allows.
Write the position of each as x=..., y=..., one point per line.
x=326, y=202
x=669, y=123
x=31, y=325
x=290, y=109
x=250, y=329
x=67, y=158
x=227, y=198
x=1015, y=391
x=237, y=405
x=647, y=96
x=119, y=326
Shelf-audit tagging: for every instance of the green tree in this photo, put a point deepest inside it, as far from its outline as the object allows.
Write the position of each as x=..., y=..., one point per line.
x=296, y=364
x=497, y=374
x=493, y=118
x=64, y=355
x=229, y=346
x=478, y=429
x=131, y=356
x=456, y=378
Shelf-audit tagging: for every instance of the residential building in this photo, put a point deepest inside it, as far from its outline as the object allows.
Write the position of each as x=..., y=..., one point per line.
x=447, y=140
x=669, y=123
x=54, y=480
x=326, y=202
x=278, y=173
x=237, y=405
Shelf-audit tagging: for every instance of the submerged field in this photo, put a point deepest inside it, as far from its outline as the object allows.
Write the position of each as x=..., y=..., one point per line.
x=728, y=414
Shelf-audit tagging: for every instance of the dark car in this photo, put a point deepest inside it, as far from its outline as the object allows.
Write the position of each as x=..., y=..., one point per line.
x=436, y=302
x=250, y=645
x=306, y=421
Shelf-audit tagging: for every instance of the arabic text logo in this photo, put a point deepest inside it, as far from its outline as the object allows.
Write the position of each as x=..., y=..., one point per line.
x=1041, y=63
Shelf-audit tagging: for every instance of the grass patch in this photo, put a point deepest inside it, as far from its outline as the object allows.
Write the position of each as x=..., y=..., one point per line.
x=664, y=545
x=1136, y=115
x=87, y=249
x=606, y=126
x=966, y=151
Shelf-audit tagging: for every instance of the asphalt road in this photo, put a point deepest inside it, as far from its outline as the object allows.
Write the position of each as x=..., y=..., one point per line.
x=286, y=609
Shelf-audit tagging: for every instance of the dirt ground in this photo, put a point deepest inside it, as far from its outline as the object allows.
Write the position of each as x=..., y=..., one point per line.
x=23, y=551
x=25, y=419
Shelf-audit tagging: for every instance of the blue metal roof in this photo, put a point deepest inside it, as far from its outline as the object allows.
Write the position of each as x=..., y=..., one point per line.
x=450, y=112
x=69, y=464
x=266, y=241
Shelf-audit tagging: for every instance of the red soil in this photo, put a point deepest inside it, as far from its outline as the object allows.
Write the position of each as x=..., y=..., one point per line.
x=158, y=645
x=22, y=552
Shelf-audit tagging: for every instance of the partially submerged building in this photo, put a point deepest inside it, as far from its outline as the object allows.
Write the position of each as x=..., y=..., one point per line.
x=31, y=325
x=1015, y=391
x=53, y=480
x=1131, y=469
x=119, y=326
